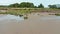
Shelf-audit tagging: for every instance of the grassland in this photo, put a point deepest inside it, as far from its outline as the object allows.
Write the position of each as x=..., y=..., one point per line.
x=23, y=11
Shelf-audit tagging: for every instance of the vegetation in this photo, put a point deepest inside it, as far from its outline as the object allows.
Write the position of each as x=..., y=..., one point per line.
x=25, y=17
x=27, y=5
x=57, y=14
x=16, y=12
x=52, y=6
x=40, y=6
x=30, y=8
x=14, y=5
x=23, y=5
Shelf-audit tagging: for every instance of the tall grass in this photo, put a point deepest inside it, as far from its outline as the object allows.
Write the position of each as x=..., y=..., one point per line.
x=16, y=12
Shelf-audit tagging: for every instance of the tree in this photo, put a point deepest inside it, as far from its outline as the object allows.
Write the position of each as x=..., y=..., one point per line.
x=40, y=6
x=52, y=6
x=35, y=7
x=26, y=5
x=14, y=5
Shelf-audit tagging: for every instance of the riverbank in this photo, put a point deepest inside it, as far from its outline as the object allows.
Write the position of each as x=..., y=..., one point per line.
x=23, y=11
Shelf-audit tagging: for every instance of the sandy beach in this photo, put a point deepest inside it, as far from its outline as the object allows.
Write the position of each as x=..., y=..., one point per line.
x=35, y=24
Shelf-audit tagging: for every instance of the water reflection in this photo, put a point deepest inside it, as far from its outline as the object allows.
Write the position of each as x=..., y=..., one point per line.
x=10, y=17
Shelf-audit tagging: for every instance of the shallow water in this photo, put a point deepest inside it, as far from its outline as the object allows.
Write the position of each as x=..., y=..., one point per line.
x=10, y=17
x=50, y=18
x=35, y=25
x=18, y=18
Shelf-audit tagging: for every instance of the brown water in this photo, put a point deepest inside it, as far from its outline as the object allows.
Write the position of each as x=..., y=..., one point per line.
x=33, y=25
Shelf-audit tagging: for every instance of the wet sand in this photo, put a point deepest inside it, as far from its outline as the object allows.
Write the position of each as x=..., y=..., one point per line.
x=36, y=24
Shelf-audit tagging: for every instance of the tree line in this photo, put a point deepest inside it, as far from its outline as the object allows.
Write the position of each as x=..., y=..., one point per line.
x=28, y=5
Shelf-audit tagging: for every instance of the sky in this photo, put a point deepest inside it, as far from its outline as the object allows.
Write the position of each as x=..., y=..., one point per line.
x=36, y=2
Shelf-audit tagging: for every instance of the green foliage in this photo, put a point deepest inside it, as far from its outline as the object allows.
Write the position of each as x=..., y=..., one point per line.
x=22, y=5
x=14, y=5
x=57, y=14
x=35, y=7
x=26, y=5
x=40, y=6
x=52, y=6
x=25, y=17
x=16, y=12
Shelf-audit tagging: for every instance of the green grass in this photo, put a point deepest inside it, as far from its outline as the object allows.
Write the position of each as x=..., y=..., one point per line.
x=25, y=17
x=16, y=12
x=57, y=14
x=25, y=11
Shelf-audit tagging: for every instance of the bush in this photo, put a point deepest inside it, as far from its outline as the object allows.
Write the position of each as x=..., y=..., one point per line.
x=57, y=14
x=25, y=17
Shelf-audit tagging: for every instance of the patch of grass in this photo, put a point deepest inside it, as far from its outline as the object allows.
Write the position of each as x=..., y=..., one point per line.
x=57, y=14
x=26, y=11
x=25, y=17
x=20, y=15
x=16, y=12
x=2, y=12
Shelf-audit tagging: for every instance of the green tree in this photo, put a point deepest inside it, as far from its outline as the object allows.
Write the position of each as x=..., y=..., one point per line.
x=14, y=5
x=35, y=7
x=40, y=6
x=26, y=5
x=52, y=6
